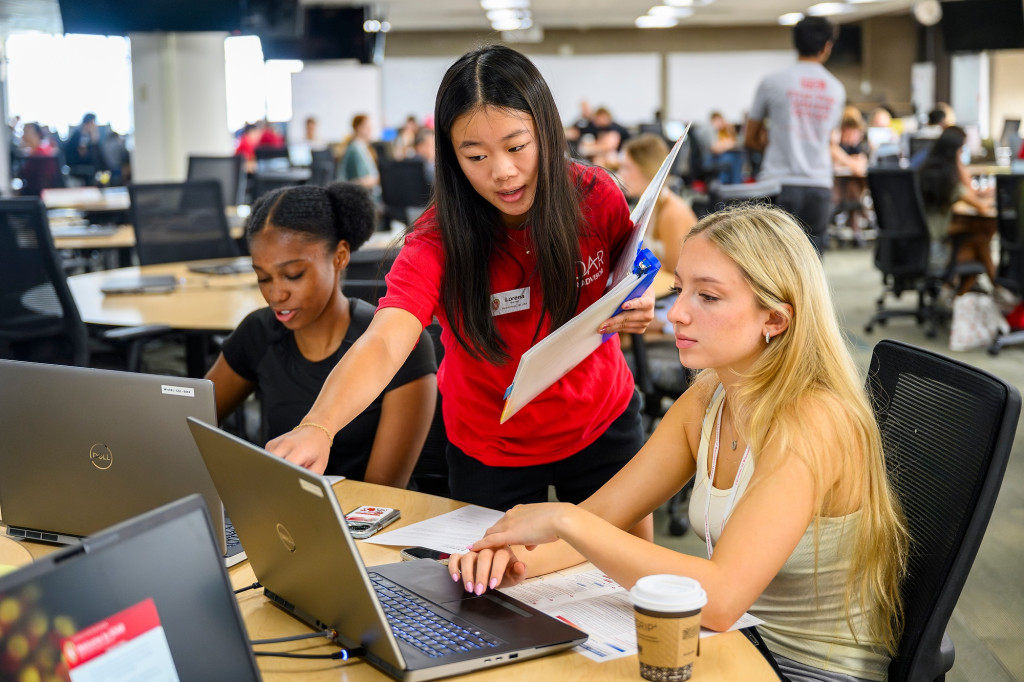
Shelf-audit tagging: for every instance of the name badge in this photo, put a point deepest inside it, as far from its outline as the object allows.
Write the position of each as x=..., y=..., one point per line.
x=511, y=301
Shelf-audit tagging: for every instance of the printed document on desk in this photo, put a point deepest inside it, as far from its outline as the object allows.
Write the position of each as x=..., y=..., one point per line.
x=452, y=532
x=570, y=344
x=592, y=602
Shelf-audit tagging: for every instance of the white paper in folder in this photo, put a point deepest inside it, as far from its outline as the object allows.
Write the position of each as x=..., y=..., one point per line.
x=555, y=355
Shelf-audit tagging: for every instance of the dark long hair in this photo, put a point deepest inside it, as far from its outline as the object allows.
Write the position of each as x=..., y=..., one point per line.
x=938, y=173
x=471, y=228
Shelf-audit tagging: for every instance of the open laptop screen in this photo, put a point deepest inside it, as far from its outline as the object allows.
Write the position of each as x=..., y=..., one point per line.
x=147, y=599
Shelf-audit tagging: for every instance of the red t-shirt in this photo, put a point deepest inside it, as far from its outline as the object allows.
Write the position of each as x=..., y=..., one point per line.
x=576, y=410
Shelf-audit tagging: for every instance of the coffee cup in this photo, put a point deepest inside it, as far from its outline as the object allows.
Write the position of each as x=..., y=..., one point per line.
x=667, y=610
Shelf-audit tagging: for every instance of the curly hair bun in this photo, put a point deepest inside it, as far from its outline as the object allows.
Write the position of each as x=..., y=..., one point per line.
x=355, y=215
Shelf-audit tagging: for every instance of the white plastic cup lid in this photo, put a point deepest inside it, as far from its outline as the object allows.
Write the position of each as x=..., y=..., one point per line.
x=669, y=593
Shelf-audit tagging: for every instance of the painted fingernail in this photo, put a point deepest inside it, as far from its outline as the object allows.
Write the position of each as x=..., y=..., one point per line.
x=602, y=330
x=479, y=588
x=469, y=586
x=493, y=583
x=455, y=577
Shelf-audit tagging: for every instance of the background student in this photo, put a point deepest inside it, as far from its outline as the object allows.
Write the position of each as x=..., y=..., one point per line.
x=941, y=187
x=790, y=491
x=518, y=241
x=301, y=239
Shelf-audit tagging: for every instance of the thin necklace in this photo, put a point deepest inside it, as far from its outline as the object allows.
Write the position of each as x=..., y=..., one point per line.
x=732, y=427
x=515, y=241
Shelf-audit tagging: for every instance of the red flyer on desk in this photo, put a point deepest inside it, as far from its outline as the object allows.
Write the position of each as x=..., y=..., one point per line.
x=129, y=646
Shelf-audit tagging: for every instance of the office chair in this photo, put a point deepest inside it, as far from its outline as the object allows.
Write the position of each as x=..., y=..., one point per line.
x=431, y=472
x=38, y=173
x=39, y=319
x=947, y=429
x=902, y=251
x=180, y=221
x=661, y=379
x=228, y=170
x=369, y=290
x=405, y=190
x=1010, y=211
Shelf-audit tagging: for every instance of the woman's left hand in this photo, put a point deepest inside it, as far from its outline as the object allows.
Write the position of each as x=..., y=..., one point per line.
x=525, y=524
x=636, y=315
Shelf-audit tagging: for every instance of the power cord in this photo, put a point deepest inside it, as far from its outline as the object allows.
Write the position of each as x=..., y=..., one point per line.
x=254, y=586
x=343, y=654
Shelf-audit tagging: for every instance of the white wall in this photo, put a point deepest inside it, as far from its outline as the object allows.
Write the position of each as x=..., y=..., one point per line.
x=627, y=84
x=180, y=105
x=334, y=92
x=702, y=82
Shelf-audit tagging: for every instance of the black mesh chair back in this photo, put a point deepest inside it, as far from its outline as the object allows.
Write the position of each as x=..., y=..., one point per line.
x=180, y=221
x=431, y=472
x=903, y=241
x=369, y=264
x=403, y=186
x=38, y=316
x=1010, y=211
x=38, y=173
x=947, y=429
x=228, y=170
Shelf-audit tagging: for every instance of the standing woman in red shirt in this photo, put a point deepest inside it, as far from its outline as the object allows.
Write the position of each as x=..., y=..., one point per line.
x=518, y=240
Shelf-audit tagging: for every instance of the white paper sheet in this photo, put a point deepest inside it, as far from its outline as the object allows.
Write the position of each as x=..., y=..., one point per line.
x=452, y=532
x=597, y=605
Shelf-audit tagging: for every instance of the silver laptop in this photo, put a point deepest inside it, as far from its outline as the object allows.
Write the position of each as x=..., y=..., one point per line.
x=83, y=449
x=139, y=284
x=147, y=599
x=301, y=551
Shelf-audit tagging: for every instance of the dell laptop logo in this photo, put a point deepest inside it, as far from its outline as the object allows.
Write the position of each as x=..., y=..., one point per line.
x=286, y=538
x=101, y=456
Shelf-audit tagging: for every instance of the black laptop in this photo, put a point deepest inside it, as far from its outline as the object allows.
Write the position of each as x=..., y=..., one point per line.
x=413, y=620
x=147, y=599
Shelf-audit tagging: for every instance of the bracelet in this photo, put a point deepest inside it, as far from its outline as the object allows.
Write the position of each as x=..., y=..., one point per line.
x=330, y=437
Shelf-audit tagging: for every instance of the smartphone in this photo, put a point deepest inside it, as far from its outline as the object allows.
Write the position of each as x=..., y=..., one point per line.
x=410, y=553
x=365, y=521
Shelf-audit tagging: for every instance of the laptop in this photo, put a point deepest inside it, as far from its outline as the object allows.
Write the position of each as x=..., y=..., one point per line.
x=84, y=448
x=139, y=284
x=148, y=599
x=301, y=551
x=222, y=266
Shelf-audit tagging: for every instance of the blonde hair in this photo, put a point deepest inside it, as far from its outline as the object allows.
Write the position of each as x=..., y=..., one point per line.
x=647, y=151
x=810, y=362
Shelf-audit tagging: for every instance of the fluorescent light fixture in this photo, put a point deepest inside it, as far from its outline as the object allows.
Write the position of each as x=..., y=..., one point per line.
x=666, y=11
x=860, y=2
x=827, y=9
x=504, y=15
x=790, y=18
x=504, y=4
x=680, y=3
x=650, y=21
x=513, y=23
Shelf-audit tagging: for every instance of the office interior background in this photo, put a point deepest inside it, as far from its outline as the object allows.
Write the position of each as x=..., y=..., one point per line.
x=175, y=94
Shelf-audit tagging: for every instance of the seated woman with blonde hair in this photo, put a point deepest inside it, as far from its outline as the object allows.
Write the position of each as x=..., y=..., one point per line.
x=790, y=493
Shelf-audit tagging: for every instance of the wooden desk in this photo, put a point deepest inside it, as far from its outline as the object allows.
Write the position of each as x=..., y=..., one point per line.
x=201, y=305
x=13, y=553
x=727, y=656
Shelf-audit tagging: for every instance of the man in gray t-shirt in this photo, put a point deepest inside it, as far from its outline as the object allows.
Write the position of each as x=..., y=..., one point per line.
x=804, y=104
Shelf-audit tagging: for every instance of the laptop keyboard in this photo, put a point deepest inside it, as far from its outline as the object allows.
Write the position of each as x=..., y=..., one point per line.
x=415, y=623
x=234, y=545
